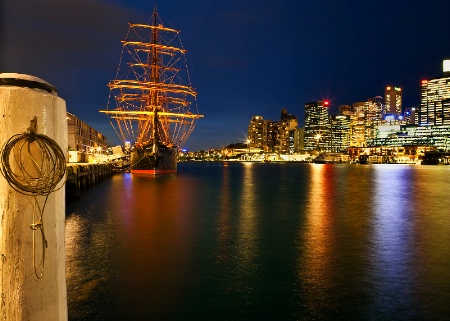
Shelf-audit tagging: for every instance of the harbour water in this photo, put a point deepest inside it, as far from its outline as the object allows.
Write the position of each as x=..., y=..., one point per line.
x=263, y=241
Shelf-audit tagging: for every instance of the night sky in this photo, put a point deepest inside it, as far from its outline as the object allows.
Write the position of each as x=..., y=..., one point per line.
x=245, y=57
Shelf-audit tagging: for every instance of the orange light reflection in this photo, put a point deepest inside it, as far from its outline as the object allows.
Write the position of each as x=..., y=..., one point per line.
x=317, y=239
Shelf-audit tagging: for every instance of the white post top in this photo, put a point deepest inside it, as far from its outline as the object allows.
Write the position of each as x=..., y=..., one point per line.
x=22, y=80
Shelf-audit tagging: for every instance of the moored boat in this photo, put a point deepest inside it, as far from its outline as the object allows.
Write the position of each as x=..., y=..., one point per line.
x=152, y=104
x=331, y=158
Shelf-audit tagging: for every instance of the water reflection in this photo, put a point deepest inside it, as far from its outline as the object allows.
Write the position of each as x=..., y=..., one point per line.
x=429, y=256
x=315, y=266
x=248, y=211
x=275, y=241
x=141, y=237
x=160, y=221
x=226, y=209
x=393, y=240
x=89, y=271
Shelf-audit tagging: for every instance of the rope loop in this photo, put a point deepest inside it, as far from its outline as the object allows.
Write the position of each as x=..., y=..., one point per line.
x=32, y=164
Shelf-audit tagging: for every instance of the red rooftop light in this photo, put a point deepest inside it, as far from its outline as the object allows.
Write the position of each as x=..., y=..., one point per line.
x=326, y=103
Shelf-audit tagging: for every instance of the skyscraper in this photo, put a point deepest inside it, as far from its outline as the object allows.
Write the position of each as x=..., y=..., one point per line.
x=340, y=133
x=434, y=106
x=317, y=128
x=358, y=125
x=256, y=133
x=287, y=127
x=272, y=136
x=393, y=101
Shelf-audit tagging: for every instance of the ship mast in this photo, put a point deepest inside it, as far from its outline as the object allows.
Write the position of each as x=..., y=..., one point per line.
x=155, y=79
x=151, y=99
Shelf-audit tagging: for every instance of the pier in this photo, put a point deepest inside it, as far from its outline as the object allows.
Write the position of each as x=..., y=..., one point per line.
x=81, y=176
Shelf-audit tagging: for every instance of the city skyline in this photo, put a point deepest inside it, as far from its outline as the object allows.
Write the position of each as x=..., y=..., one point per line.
x=245, y=59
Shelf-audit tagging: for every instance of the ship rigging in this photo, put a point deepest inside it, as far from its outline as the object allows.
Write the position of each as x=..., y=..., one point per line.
x=152, y=103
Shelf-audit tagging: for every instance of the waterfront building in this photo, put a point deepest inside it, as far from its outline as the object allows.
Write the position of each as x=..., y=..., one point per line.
x=256, y=132
x=274, y=137
x=339, y=133
x=436, y=137
x=434, y=106
x=317, y=128
x=83, y=138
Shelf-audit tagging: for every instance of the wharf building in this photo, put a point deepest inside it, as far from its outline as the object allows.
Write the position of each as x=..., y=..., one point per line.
x=83, y=140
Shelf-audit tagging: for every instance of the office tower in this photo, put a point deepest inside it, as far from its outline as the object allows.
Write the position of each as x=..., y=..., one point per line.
x=339, y=133
x=434, y=106
x=357, y=128
x=273, y=135
x=317, y=128
x=393, y=101
x=374, y=109
x=256, y=132
x=367, y=118
x=287, y=127
x=299, y=139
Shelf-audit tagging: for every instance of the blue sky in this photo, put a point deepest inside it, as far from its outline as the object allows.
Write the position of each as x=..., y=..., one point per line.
x=245, y=57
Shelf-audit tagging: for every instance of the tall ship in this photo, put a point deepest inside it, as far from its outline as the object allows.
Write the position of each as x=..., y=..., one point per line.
x=152, y=104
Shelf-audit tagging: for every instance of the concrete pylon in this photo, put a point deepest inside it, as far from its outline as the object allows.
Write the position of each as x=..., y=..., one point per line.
x=23, y=295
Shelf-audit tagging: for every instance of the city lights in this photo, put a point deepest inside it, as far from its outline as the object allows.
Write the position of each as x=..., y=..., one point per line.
x=378, y=122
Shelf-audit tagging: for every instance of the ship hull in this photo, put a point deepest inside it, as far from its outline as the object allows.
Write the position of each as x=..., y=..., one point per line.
x=145, y=162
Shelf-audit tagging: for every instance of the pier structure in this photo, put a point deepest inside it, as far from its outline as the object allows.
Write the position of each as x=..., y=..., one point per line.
x=32, y=214
x=83, y=175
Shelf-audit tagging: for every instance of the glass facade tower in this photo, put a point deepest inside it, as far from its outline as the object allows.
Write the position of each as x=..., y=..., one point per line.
x=317, y=128
x=434, y=102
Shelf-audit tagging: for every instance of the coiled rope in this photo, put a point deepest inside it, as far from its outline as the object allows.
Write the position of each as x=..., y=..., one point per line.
x=33, y=165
